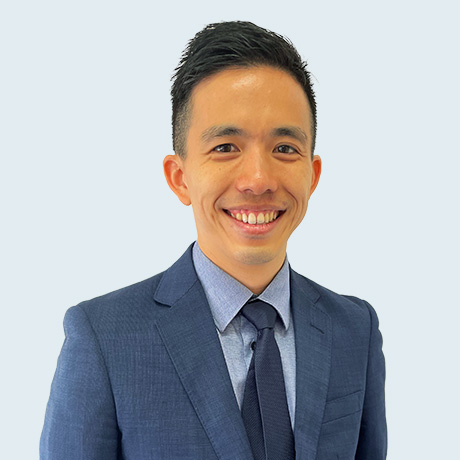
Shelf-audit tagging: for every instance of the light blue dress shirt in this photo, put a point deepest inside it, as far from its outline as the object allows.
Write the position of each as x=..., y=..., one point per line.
x=226, y=296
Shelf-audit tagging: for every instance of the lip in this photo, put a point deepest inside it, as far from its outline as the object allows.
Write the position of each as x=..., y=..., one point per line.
x=253, y=229
x=254, y=208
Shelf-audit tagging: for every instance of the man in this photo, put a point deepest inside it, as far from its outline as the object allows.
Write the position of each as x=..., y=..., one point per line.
x=229, y=354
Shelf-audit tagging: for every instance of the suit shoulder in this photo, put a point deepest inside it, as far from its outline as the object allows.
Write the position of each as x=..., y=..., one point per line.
x=333, y=303
x=120, y=303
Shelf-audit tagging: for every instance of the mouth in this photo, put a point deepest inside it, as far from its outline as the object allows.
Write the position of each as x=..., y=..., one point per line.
x=252, y=217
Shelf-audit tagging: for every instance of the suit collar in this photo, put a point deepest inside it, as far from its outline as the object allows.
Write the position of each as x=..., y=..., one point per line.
x=177, y=280
x=313, y=337
x=188, y=332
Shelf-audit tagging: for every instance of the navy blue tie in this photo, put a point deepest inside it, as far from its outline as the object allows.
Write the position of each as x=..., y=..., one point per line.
x=265, y=411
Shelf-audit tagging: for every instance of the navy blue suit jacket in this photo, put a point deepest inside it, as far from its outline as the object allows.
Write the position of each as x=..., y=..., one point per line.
x=141, y=375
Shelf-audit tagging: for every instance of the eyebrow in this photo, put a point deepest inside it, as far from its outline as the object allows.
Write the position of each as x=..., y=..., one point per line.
x=221, y=131
x=291, y=131
x=228, y=130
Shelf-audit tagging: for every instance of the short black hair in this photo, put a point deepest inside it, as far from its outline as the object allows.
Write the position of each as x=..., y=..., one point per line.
x=232, y=44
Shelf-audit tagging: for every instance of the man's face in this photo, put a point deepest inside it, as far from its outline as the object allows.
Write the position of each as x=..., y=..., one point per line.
x=248, y=173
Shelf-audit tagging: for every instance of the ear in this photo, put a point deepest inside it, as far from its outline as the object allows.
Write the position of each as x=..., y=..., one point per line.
x=173, y=167
x=316, y=166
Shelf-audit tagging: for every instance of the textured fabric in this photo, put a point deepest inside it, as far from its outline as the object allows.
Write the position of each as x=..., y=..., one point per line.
x=265, y=411
x=226, y=296
x=142, y=376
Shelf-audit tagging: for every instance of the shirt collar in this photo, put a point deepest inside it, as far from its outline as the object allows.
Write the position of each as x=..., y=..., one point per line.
x=226, y=296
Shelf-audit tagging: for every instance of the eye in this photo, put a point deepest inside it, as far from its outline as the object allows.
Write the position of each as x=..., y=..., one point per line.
x=285, y=149
x=224, y=148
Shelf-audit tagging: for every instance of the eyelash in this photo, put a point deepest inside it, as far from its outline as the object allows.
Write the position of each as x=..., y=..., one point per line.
x=294, y=150
x=223, y=145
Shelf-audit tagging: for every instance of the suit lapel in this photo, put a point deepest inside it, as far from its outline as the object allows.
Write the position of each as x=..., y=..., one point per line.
x=313, y=338
x=189, y=334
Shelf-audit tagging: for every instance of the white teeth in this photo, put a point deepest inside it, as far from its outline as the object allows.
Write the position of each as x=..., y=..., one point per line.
x=255, y=218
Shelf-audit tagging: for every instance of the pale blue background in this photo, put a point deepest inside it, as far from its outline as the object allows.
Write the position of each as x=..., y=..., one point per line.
x=85, y=124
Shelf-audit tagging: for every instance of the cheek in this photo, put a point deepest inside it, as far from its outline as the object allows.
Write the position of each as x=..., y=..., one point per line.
x=204, y=190
x=298, y=188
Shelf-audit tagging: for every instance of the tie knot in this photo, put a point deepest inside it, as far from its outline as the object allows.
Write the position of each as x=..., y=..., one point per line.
x=261, y=314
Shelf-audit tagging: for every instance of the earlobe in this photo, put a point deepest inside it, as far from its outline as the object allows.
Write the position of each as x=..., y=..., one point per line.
x=316, y=172
x=173, y=168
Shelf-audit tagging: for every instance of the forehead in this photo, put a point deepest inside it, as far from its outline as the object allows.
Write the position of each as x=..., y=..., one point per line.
x=255, y=96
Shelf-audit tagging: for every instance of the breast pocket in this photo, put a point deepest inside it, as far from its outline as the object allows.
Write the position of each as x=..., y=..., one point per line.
x=343, y=406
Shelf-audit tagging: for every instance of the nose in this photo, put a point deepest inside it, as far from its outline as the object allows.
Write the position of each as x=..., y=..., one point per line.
x=257, y=173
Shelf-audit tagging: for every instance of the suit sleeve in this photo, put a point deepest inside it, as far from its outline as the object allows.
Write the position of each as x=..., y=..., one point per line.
x=80, y=421
x=372, y=444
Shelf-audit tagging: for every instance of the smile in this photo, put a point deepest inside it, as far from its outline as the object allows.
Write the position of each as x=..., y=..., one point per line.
x=254, y=217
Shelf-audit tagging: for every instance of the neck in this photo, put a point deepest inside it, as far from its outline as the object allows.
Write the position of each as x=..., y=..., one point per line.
x=256, y=280
x=255, y=276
